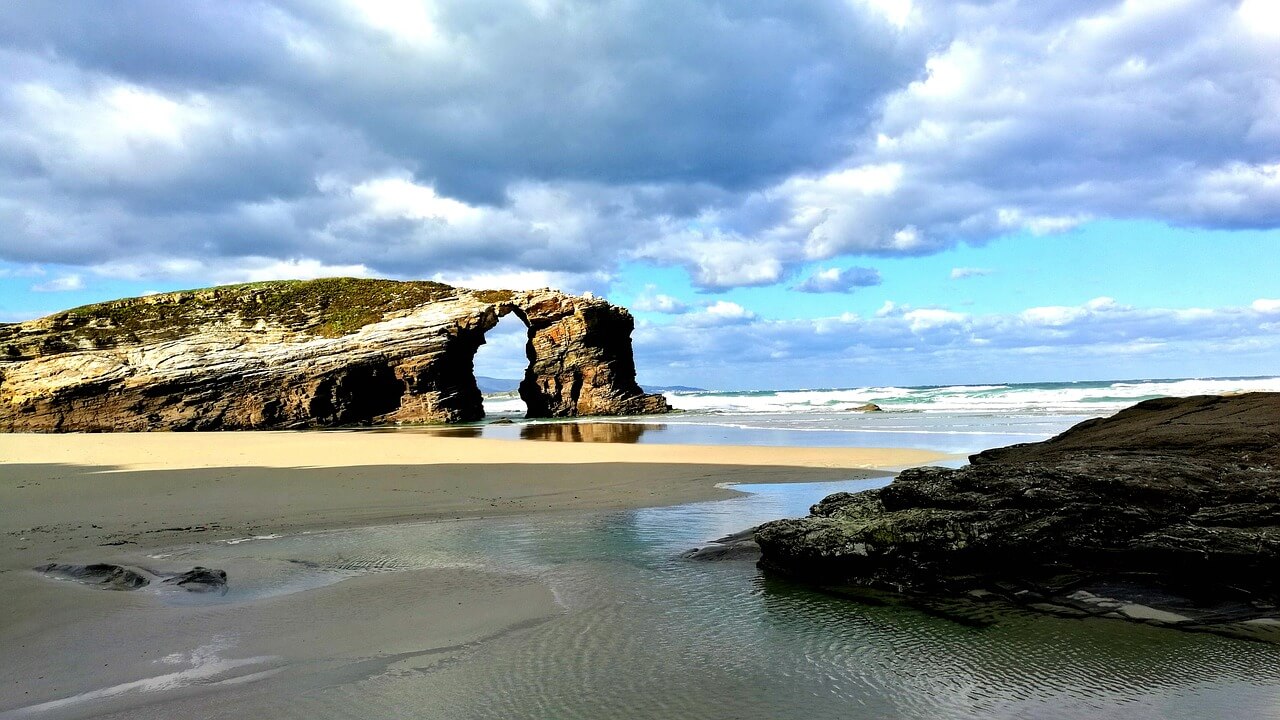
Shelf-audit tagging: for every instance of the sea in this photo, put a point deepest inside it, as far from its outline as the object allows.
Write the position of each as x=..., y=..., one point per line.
x=959, y=419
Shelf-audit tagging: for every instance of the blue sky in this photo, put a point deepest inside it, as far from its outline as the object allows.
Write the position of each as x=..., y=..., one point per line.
x=898, y=191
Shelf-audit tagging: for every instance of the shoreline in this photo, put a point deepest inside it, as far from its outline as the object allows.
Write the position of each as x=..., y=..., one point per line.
x=86, y=493
x=87, y=498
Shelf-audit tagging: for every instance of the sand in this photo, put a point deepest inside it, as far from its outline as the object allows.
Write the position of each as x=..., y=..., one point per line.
x=68, y=492
x=73, y=651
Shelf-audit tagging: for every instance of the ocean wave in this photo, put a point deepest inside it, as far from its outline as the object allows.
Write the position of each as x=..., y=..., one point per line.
x=1088, y=398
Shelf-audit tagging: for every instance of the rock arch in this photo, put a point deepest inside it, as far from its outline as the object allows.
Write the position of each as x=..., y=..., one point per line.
x=580, y=358
x=231, y=366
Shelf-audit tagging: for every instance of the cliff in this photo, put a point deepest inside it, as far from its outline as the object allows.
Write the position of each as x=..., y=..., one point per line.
x=1167, y=512
x=317, y=353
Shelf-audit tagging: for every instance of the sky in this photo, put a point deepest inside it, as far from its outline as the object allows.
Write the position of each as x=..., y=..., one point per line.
x=786, y=195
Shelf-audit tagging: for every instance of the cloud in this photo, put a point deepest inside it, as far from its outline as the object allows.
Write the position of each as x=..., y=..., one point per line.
x=908, y=345
x=962, y=273
x=62, y=283
x=838, y=280
x=459, y=138
x=1266, y=306
x=24, y=271
x=721, y=312
x=652, y=301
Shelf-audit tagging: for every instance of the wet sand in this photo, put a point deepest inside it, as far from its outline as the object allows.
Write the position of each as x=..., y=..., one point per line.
x=75, y=651
x=70, y=492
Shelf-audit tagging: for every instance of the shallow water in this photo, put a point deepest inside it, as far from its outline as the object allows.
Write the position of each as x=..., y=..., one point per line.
x=960, y=433
x=958, y=419
x=646, y=634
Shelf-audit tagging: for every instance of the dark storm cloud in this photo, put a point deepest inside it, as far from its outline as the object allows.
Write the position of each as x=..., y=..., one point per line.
x=487, y=92
x=740, y=140
x=252, y=111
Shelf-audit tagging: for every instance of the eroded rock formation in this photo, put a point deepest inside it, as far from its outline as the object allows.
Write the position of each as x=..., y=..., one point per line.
x=298, y=354
x=1167, y=512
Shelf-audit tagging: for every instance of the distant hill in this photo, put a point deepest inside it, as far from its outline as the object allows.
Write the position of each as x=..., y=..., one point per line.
x=490, y=385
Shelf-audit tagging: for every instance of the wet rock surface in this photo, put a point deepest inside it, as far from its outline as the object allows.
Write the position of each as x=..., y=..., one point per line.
x=118, y=577
x=738, y=546
x=103, y=575
x=1166, y=513
x=200, y=579
x=295, y=354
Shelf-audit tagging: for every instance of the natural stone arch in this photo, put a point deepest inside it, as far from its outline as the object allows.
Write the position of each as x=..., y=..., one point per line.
x=309, y=354
x=580, y=357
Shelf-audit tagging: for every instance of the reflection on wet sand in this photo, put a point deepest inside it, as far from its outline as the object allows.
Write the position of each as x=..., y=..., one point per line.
x=587, y=432
x=464, y=431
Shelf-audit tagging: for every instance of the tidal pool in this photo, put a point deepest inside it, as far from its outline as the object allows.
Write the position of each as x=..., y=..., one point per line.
x=642, y=633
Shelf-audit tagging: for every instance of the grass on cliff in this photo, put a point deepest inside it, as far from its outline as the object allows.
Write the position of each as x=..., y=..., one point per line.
x=329, y=307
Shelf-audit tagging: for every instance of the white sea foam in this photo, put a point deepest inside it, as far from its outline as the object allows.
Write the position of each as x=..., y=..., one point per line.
x=206, y=666
x=1086, y=398
x=237, y=541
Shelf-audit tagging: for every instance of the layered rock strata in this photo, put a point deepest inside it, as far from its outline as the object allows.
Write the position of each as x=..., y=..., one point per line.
x=1167, y=512
x=296, y=354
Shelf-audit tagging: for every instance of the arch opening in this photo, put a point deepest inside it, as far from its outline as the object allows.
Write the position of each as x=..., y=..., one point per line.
x=500, y=364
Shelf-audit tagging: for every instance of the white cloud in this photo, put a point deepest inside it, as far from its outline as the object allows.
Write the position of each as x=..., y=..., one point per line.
x=652, y=301
x=408, y=22
x=1266, y=306
x=900, y=344
x=527, y=280
x=961, y=273
x=839, y=280
x=721, y=312
x=719, y=261
x=399, y=197
x=897, y=12
x=1261, y=17
x=62, y=283
x=925, y=319
x=890, y=308
x=299, y=269
x=22, y=271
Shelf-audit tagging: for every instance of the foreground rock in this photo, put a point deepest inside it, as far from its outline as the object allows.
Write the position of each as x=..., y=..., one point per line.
x=1168, y=513
x=118, y=577
x=738, y=546
x=103, y=575
x=200, y=579
x=297, y=354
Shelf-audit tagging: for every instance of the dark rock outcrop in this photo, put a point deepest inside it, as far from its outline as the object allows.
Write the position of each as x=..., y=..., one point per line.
x=103, y=575
x=738, y=546
x=299, y=354
x=1167, y=512
x=118, y=577
x=200, y=579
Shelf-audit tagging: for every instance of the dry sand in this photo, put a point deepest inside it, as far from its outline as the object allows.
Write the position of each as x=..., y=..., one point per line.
x=73, y=651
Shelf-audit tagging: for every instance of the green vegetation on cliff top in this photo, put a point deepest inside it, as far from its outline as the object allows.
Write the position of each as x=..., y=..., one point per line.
x=329, y=307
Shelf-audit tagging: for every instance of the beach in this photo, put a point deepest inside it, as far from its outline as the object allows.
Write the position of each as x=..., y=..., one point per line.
x=427, y=572
x=132, y=498
x=75, y=491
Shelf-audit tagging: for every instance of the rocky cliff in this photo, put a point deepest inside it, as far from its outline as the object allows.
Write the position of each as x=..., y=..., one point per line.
x=295, y=354
x=1167, y=512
